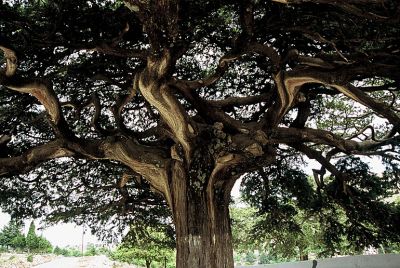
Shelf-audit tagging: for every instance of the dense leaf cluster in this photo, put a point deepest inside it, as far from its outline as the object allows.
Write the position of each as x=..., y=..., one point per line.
x=288, y=201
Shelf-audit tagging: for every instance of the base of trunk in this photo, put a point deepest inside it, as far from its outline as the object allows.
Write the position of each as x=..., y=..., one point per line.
x=203, y=233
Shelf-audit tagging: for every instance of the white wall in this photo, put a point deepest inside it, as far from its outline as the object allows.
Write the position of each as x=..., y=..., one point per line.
x=366, y=261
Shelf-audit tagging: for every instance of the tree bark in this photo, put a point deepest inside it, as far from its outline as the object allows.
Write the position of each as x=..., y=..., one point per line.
x=148, y=263
x=202, y=222
x=303, y=256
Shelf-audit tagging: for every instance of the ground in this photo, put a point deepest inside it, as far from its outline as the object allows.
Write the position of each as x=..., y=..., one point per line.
x=9, y=260
x=14, y=260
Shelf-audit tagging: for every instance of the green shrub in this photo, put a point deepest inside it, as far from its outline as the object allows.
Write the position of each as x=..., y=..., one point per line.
x=250, y=257
x=264, y=258
x=91, y=250
x=29, y=258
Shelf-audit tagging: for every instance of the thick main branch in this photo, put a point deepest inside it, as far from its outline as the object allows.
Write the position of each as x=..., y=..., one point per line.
x=159, y=94
x=289, y=83
x=151, y=163
x=317, y=136
x=34, y=157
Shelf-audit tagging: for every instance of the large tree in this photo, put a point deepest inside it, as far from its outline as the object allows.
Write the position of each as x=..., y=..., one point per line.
x=183, y=97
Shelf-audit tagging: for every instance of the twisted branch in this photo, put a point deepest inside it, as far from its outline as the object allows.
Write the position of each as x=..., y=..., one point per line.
x=11, y=61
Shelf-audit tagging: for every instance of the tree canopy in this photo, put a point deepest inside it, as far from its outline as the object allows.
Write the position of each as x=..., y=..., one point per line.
x=111, y=111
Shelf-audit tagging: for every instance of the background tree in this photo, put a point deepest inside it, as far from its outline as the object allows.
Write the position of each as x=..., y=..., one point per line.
x=243, y=219
x=91, y=250
x=35, y=243
x=264, y=258
x=68, y=251
x=44, y=245
x=294, y=224
x=181, y=98
x=31, y=238
x=255, y=231
x=18, y=242
x=250, y=258
x=11, y=236
x=306, y=234
x=147, y=245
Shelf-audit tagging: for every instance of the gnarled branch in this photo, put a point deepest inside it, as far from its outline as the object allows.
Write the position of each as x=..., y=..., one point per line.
x=211, y=79
x=317, y=136
x=151, y=163
x=123, y=101
x=288, y=86
x=33, y=157
x=160, y=96
x=239, y=101
x=41, y=90
x=266, y=51
x=46, y=96
x=313, y=154
x=11, y=61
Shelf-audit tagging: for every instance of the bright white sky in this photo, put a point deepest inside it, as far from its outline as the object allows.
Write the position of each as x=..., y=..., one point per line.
x=61, y=235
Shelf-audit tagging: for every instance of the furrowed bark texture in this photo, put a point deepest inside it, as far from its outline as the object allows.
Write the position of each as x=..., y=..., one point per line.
x=160, y=96
x=202, y=222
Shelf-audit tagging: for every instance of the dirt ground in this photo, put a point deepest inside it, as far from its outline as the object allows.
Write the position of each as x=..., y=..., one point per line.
x=84, y=262
x=14, y=260
x=10, y=260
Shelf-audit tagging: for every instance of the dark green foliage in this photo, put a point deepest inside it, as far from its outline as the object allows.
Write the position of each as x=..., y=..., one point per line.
x=31, y=238
x=278, y=192
x=264, y=258
x=95, y=190
x=91, y=250
x=11, y=236
x=283, y=184
x=347, y=222
x=35, y=243
x=378, y=219
x=67, y=252
x=250, y=257
x=144, y=246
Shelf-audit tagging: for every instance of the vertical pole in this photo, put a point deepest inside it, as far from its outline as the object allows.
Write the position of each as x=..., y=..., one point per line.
x=83, y=234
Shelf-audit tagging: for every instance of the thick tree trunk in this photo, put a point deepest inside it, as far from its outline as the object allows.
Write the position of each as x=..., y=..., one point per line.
x=203, y=233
